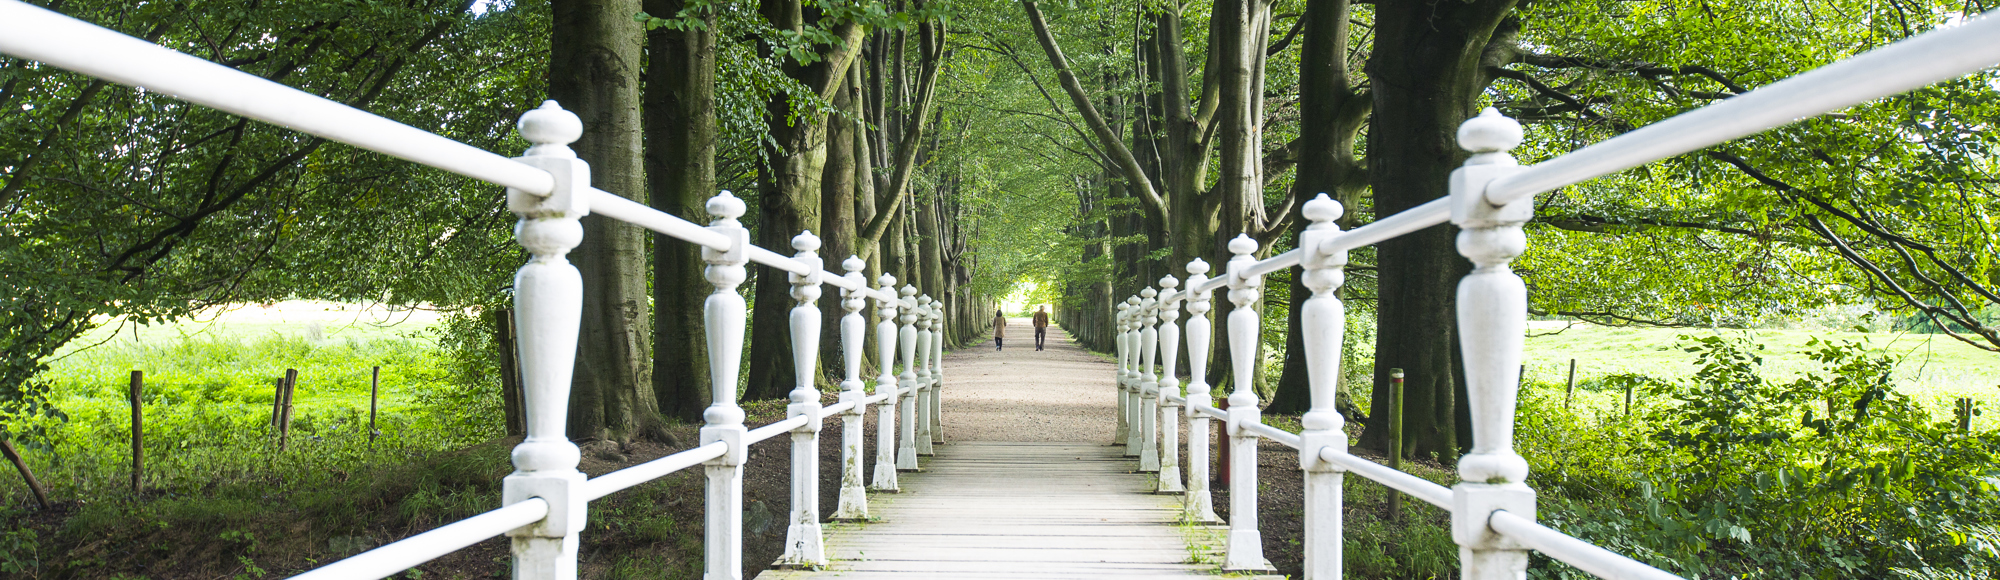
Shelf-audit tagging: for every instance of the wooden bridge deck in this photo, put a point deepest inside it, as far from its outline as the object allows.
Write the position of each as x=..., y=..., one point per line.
x=1008, y=498
x=1020, y=510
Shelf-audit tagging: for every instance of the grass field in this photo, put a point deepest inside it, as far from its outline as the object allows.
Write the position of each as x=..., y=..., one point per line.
x=210, y=386
x=1934, y=368
x=233, y=357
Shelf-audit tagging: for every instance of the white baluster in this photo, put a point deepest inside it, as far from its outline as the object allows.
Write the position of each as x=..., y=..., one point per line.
x=723, y=320
x=548, y=307
x=1149, y=383
x=937, y=371
x=1246, y=544
x=1323, y=322
x=906, y=448
x=803, y=545
x=1199, y=503
x=1492, y=318
x=885, y=419
x=924, y=392
x=853, y=327
x=1134, y=427
x=1125, y=375
x=1170, y=411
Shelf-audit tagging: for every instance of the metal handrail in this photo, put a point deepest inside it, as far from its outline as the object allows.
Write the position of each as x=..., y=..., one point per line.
x=402, y=555
x=1403, y=481
x=36, y=33
x=619, y=208
x=772, y=430
x=1906, y=65
x=616, y=481
x=1288, y=438
x=39, y=34
x=1583, y=555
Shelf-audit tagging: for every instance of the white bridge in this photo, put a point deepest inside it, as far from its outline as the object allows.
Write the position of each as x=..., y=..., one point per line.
x=545, y=501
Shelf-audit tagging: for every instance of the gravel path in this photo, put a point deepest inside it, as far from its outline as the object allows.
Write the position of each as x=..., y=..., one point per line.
x=1061, y=394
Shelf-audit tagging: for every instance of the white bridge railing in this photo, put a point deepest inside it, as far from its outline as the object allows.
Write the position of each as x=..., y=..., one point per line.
x=545, y=501
x=1492, y=508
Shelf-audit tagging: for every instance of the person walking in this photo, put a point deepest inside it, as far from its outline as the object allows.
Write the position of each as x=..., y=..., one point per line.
x=1041, y=325
x=999, y=328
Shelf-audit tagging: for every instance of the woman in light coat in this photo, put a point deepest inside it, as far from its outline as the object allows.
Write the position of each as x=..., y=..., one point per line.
x=999, y=328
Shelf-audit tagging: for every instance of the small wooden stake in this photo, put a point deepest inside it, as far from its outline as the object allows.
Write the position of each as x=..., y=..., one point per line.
x=510, y=371
x=277, y=401
x=1569, y=392
x=1395, y=439
x=138, y=430
x=35, y=485
x=285, y=415
x=1222, y=446
x=374, y=393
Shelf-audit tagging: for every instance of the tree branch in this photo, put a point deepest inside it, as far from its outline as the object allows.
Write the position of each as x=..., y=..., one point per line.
x=1108, y=138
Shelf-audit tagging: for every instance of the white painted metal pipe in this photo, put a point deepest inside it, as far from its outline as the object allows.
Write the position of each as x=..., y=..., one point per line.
x=1584, y=555
x=38, y=34
x=617, y=207
x=616, y=481
x=1431, y=213
x=759, y=434
x=396, y=557
x=776, y=260
x=1273, y=433
x=1274, y=263
x=1417, y=487
x=835, y=409
x=1927, y=58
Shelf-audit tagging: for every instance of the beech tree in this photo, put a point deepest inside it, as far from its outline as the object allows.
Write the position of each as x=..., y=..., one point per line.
x=120, y=202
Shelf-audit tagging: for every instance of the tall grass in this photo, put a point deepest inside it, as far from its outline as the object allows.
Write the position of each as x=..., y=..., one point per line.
x=208, y=401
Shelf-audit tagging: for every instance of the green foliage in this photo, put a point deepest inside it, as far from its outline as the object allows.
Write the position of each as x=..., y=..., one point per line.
x=1890, y=202
x=20, y=553
x=1831, y=475
x=208, y=402
x=118, y=202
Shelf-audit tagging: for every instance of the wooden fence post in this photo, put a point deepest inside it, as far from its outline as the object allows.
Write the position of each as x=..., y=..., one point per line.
x=277, y=400
x=510, y=371
x=138, y=430
x=1569, y=392
x=290, y=388
x=1395, y=439
x=374, y=394
x=35, y=485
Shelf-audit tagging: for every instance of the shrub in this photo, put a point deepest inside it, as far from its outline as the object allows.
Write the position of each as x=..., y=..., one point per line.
x=1831, y=475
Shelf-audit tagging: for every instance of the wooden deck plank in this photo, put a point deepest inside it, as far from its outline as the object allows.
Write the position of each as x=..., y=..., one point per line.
x=1016, y=511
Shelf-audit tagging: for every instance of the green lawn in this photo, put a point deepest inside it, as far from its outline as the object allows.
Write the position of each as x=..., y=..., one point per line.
x=1935, y=368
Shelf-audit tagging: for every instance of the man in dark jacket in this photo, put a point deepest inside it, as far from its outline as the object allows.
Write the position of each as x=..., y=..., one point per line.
x=1041, y=325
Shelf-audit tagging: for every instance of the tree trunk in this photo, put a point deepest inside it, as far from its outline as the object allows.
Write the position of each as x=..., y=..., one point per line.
x=837, y=192
x=594, y=72
x=788, y=199
x=1326, y=165
x=866, y=95
x=680, y=166
x=1425, y=70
